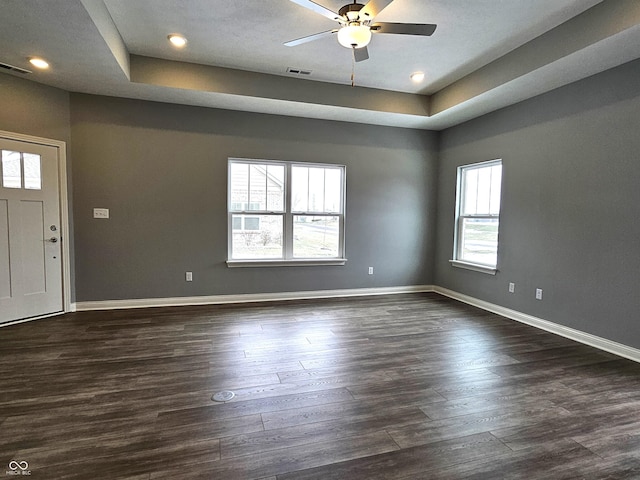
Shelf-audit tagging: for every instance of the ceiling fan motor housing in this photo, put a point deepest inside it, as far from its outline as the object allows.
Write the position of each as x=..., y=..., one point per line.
x=352, y=7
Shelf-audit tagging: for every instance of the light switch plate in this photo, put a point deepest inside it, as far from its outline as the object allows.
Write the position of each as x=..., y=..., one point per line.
x=100, y=213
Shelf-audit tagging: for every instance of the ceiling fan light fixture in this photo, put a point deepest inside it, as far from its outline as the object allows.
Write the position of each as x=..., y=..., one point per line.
x=352, y=15
x=354, y=36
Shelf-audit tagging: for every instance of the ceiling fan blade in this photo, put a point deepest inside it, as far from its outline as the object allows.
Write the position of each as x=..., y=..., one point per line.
x=425, y=29
x=360, y=54
x=373, y=8
x=315, y=7
x=311, y=38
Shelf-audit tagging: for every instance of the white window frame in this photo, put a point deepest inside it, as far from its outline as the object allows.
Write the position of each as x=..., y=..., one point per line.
x=288, y=215
x=460, y=218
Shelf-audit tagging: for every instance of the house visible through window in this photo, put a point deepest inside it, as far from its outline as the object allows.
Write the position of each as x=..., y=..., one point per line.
x=478, y=214
x=285, y=211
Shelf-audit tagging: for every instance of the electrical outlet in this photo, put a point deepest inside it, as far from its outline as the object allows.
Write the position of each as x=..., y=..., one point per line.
x=370, y=270
x=188, y=276
x=100, y=213
x=512, y=287
x=538, y=294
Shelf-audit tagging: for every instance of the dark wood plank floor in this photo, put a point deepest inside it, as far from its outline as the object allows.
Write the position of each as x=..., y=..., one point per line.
x=397, y=387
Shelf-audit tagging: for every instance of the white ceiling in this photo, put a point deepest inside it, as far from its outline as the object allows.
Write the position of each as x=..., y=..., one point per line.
x=484, y=54
x=250, y=35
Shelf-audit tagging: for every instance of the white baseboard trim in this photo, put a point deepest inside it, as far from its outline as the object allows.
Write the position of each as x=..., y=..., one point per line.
x=246, y=298
x=567, y=332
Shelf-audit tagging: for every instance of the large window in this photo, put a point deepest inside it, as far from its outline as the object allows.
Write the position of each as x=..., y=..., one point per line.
x=478, y=215
x=283, y=211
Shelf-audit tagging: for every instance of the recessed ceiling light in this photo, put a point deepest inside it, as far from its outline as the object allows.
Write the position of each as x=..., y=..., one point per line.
x=39, y=62
x=177, y=40
x=417, y=77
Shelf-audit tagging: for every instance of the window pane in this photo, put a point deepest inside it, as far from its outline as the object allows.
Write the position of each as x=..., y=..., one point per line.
x=496, y=185
x=481, y=190
x=333, y=190
x=470, y=191
x=275, y=188
x=257, y=187
x=239, y=186
x=300, y=189
x=316, y=236
x=479, y=240
x=11, y=175
x=32, y=172
x=484, y=190
x=260, y=236
x=316, y=190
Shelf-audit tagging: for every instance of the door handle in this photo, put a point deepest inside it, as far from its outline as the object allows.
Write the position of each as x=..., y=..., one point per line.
x=52, y=240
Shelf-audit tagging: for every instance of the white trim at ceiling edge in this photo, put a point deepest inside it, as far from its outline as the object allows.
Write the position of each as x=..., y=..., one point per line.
x=567, y=332
x=246, y=298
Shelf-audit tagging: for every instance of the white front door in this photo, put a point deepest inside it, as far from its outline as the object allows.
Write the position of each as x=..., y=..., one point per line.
x=30, y=254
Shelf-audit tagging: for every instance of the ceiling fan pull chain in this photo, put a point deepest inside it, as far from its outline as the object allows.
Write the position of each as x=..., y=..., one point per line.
x=353, y=66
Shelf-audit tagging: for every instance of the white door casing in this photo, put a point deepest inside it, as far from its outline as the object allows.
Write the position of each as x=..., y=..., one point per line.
x=33, y=224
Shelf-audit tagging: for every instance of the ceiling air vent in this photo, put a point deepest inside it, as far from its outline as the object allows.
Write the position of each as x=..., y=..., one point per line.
x=12, y=68
x=298, y=71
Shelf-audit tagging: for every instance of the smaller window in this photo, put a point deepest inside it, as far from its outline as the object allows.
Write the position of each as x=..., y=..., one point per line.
x=478, y=214
x=21, y=170
x=32, y=174
x=11, y=169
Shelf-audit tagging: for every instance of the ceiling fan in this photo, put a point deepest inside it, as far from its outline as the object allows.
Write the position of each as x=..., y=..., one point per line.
x=356, y=25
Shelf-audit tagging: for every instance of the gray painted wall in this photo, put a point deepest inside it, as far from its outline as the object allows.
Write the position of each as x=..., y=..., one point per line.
x=570, y=219
x=161, y=170
x=571, y=205
x=30, y=108
x=34, y=109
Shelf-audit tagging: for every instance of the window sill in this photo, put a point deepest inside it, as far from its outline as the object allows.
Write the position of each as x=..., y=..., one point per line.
x=474, y=267
x=309, y=262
